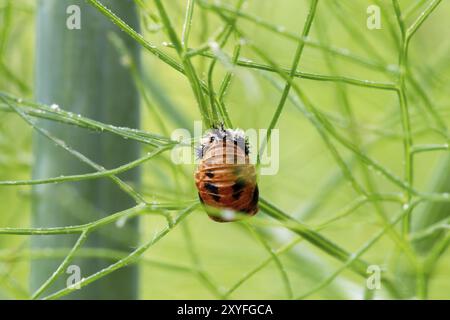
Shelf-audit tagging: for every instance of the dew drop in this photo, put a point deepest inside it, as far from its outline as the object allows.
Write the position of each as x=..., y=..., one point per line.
x=125, y=61
x=214, y=45
x=228, y=214
x=393, y=67
x=121, y=222
x=281, y=28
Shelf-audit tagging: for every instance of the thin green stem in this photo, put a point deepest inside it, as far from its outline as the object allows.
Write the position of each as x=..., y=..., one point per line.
x=406, y=125
x=354, y=257
x=341, y=52
x=295, y=63
x=429, y=147
x=214, y=108
x=75, y=229
x=200, y=272
x=131, y=258
x=263, y=264
x=187, y=24
x=56, y=113
x=227, y=79
x=422, y=17
x=102, y=253
x=124, y=186
x=220, y=106
x=283, y=273
x=188, y=67
x=62, y=267
x=88, y=176
x=124, y=214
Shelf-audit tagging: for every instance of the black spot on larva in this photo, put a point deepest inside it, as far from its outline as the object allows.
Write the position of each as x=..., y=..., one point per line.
x=209, y=174
x=199, y=151
x=237, y=195
x=254, y=202
x=200, y=197
x=211, y=188
x=255, y=197
x=238, y=185
x=214, y=190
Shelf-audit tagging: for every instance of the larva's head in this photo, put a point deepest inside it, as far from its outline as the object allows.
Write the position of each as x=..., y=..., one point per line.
x=221, y=135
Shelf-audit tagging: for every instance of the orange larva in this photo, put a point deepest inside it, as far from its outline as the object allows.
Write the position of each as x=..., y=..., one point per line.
x=225, y=178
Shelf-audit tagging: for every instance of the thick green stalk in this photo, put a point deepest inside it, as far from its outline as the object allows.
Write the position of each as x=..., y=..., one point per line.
x=81, y=71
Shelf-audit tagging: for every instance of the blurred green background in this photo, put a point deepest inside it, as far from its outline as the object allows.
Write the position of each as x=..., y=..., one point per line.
x=309, y=184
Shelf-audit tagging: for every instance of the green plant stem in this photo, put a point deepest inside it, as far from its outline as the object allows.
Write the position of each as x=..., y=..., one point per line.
x=313, y=237
x=355, y=256
x=214, y=108
x=220, y=107
x=188, y=67
x=259, y=267
x=227, y=79
x=104, y=253
x=43, y=111
x=324, y=122
x=128, y=213
x=345, y=102
x=407, y=141
x=190, y=74
x=422, y=17
x=197, y=266
x=131, y=258
x=80, y=177
x=279, y=30
x=283, y=273
x=351, y=261
x=314, y=76
x=187, y=24
x=295, y=63
x=63, y=266
x=43, y=132
x=321, y=123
